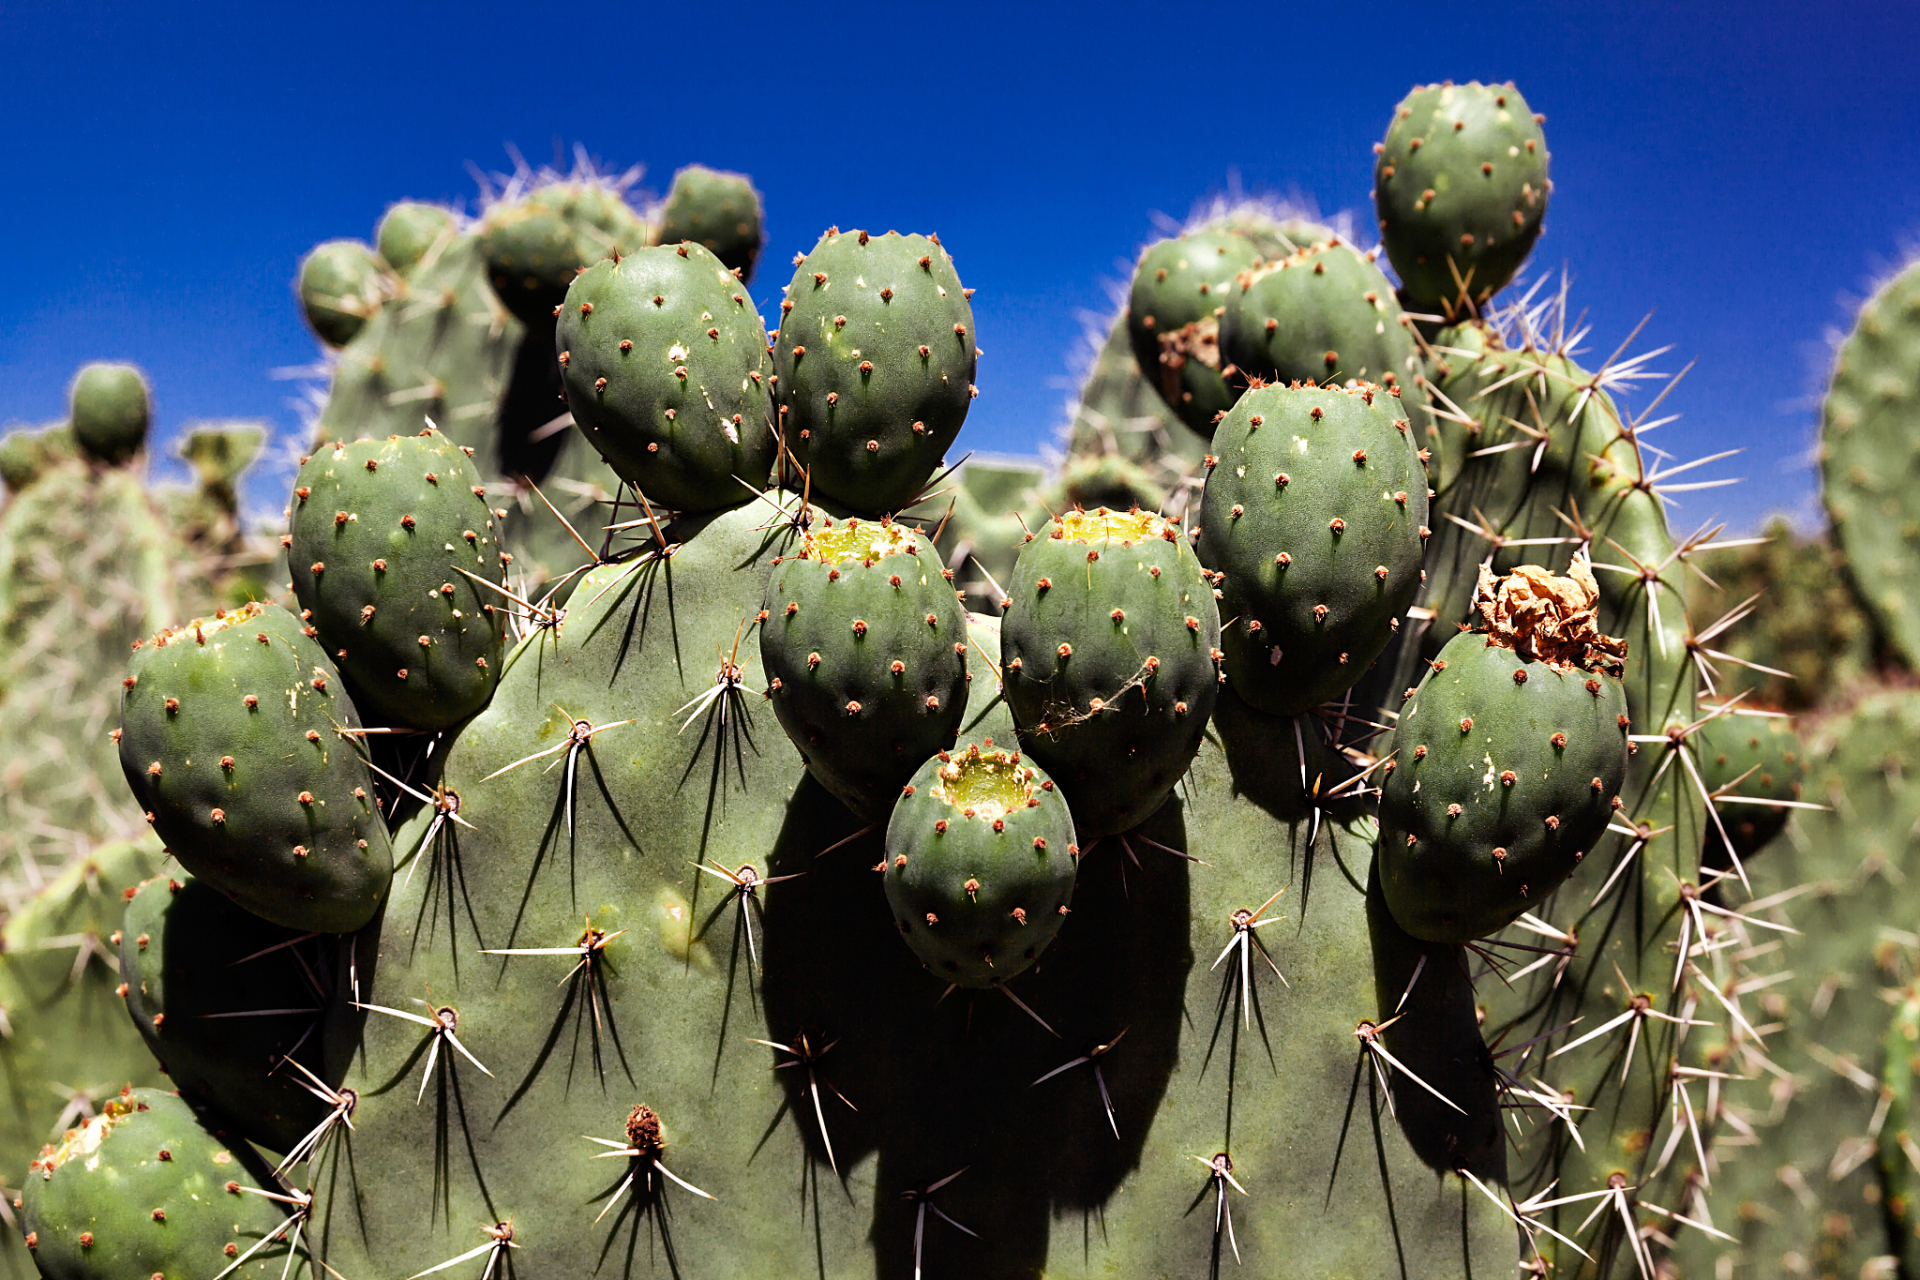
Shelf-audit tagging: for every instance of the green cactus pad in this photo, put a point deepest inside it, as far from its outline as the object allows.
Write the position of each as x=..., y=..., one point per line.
x=1460, y=185
x=1173, y=320
x=109, y=411
x=664, y=359
x=408, y=230
x=1867, y=459
x=980, y=865
x=865, y=649
x=1107, y=651
x=1316, y=512
x=535, y=245
x=1507, y=761
x=230, y=740
x=1324, y=314
x=875, y=362
x=1898, y=1142
x=340, y=288
x=719, y=210
x=387, y=539
x=143, y=1189
x=1748, y=759
x=218, y=993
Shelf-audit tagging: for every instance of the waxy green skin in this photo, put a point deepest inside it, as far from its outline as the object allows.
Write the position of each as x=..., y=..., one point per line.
x=1267, y=607
x=1477, y=721
x=1326, y=313
x=871, y=437
x=1172, y=321
x=1479, y=150
x=321, y=865
x=719, y=210
x=339, y=289
x=109, y=411
x=865, y=756
x=1757, y=757
x=686, y=442
x=153, y=1200
x=408, y=230
x=1118, y=764
x=1900, y=1181
x=404, y=549
x=192, y=959
x=534, y=246
x=934, y=851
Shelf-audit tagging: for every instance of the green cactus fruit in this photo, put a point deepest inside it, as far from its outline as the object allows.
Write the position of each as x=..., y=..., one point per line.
x=235, y=736
x=980, y=865
x=1107, y=646
x=229, y=1004
x=664, y=359
x=865, y=648
x=1173, y=319
x=407, y=230
x=875, y=363
x=1324, y=314
x=1753, y=764
x=26, y=454
x=396, y=560
x=340, y=289
x=1899, y=1144
x=1867, y=460
x=1107, y=481
x=535, y=246
x=719, y=210
x=1460, y=185
x=143, y=1189
x=1506, y=761
x=109, y=411
x=1315, y=519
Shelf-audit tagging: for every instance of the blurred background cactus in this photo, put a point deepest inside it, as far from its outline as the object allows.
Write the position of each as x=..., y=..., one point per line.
x=965, y=938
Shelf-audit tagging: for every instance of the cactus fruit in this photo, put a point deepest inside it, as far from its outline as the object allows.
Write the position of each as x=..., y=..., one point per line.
x=1751, y=762
x=340, y=287
x=109, y=412
x=1460, y=184
x=396, y=561
x=719, y=210
x=143, y=1189
x=980, y=865
x=864, y=645
x=1323, y=314
x=1507, y=760
x=1865, y=457
x=664, y=359
x=535, y=245
x=1107, y=648
x=875, y=364
x=236, y=738
x=1316, y=513
x=26, y=454
x=408, y=230
x=1173, y=319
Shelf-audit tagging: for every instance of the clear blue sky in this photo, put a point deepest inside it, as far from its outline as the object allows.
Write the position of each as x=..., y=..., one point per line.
x=1739, y=171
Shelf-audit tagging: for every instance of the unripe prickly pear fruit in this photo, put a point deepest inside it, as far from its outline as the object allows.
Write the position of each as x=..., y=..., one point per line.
x=865, y=649
x=1747, y=759
x=1460, y=185
x=1506, y=761
x=1107, y=660
x=719, y=210
x=980, y=864
x=408, y=230
x=1314, y=524
x=26, y=455
x=235, y=737
x=385, y=534
x=143, y=1189
x=535, y=246
x=109, y=411
x=664, y=360
x=1173, y=319
x=875, y=362
x=339, y=289
x=1326, y=313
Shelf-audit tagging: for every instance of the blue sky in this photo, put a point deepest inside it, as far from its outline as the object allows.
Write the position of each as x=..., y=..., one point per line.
x=1743, y=180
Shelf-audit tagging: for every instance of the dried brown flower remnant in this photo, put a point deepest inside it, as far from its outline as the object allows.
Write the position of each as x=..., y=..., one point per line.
x=1549, y=619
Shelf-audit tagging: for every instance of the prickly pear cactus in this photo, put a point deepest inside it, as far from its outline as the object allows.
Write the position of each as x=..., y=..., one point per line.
x=1173, y=319
x=719, y=210
x=109, y=410
x=408, y=232
x=340, y=289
